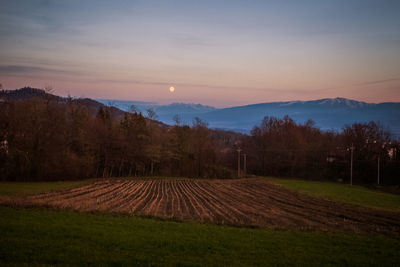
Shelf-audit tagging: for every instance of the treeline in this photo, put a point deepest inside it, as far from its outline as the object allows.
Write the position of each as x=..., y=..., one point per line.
x=46, y=139
x=280, y=147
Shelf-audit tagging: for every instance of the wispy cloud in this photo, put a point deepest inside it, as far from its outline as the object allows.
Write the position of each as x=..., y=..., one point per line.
x=24, y=69
x=244, y=50
x=188, y=40
x=378, y=81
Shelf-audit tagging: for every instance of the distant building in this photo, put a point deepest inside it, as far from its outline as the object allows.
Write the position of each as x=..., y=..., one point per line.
x=392, y=152
x=337, y=155
x=330, y=159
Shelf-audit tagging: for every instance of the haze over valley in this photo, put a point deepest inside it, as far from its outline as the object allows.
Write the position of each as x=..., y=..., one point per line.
x=328, y=114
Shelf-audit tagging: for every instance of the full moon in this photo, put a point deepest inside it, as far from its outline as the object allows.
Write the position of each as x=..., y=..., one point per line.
x=171, y=89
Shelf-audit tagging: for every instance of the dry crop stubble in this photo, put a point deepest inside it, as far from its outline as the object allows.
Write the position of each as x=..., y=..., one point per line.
x=250, y=202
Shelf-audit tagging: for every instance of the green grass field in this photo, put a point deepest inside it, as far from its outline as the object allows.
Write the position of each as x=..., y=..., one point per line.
x=33, y=236
x=356, y=195
x=48, y=237
x=24, y=188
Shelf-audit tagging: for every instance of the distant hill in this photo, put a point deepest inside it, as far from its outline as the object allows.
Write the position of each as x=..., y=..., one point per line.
x=328, y=114
x=28, y=93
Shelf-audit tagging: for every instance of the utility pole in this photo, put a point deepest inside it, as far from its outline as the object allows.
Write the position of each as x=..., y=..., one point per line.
x=238, y=150
x=244, y=165
x=378, y=169
x=351, y=165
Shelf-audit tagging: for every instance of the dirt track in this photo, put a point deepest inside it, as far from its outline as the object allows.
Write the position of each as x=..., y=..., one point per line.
x=234, y=202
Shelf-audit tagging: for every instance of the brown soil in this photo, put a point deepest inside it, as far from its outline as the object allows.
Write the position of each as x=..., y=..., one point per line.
x=250, y=202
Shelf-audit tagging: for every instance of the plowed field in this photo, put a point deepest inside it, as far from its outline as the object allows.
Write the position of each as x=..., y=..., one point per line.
x=248, y=202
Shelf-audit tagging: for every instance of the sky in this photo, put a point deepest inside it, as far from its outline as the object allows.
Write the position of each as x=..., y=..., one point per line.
x=219, y=53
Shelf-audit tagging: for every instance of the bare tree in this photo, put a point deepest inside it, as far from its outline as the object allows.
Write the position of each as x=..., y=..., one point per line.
x=151, y=114
x=177, y=119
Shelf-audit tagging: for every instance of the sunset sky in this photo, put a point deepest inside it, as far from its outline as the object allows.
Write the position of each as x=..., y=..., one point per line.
x=220, y=53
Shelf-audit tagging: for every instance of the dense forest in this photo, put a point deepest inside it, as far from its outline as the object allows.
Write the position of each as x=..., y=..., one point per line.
x=45, y=137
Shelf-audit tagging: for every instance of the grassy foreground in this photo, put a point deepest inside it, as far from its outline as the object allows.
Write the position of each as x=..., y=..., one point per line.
x=356, y=195
x=24, y=188
x=33, y=236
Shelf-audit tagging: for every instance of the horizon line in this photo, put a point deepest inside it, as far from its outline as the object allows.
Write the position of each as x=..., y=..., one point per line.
x=54, y=92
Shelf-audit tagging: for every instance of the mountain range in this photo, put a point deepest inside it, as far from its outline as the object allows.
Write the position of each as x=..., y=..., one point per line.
x=328, y=114
x=164, y=113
